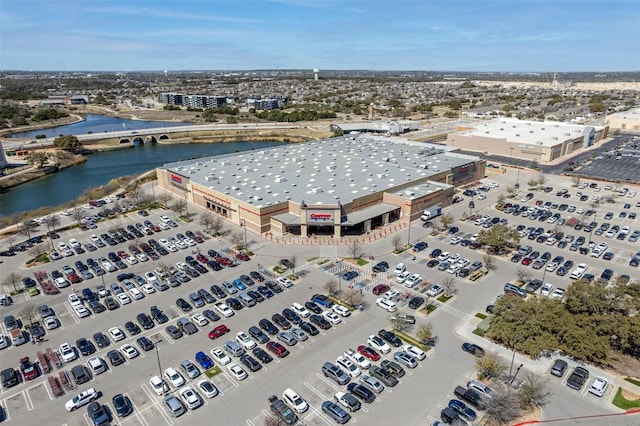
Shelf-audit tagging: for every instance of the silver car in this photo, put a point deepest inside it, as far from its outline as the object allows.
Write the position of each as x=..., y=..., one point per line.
x=371, y=383
x=287, y=338
x=298, y=334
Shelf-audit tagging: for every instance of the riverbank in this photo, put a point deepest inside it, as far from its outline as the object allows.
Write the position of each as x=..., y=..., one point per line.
x=33, y=173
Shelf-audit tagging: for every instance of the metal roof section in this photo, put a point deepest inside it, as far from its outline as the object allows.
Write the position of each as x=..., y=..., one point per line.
x=326, y=171
x=545, y=133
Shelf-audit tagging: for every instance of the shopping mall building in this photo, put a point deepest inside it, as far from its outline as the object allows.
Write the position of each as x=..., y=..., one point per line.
x=340, y=186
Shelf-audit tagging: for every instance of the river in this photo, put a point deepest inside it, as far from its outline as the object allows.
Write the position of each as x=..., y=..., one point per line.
x=97, y=124
x=100, y=168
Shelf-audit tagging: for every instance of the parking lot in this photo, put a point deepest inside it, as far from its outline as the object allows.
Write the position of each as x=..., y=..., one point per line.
x=245, y=401
x=615, y=165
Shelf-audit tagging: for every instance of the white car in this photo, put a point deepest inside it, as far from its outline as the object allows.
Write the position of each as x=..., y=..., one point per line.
x=443, y=256
x=391, y=295
x=67, y=353
x=97, y=365
x=245, y=340
x=546, y=289
x=51, y=323
x=294, y=400
x=414, y=352
x=402, y=277
x=236, y=371
x=285, y=281
x=413, y=281
x=331, y=317
x=387, y=305
x=558, y=293
x=400, y=268
x=158, y=385
x=165, y=218
x=348, y=366
x=300, y=310
x=190, y=398
x=341, y=310
x=123, y=298
x=83, y=398
x=435, y=290
x=74, y=300
x=378, y=344
x=220, y=356
x=148, y=288
x=136, y=294
x=598, y=386
x=150, y=276
x=181, y=266
x=74, y=243
x=578, y=271
x=453, y=268
x=81, y=311
x=224, y=310
x=142, y=257
x=208, y=389
x=358, y=359
x=131, y=260
x=199, y=319
x=129, y=351
x=116, y=334
x=174, y=377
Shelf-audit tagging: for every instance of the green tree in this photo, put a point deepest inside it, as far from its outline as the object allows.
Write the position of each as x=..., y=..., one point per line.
x=37, y=158
x=67, y=143
x=499, y=238
x=424, y=333
x=446, y=220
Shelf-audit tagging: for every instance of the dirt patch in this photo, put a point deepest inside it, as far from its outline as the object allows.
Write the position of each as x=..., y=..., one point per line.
x=624, y=365
x=629, y=396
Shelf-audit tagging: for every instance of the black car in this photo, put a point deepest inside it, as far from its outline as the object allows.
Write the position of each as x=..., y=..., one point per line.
x=101, y=339
x=281, y=321
x=309, y=328
x=390, y=338
x=320, y=321
x=578, y=378
x=145, y=321
x=420, y=245
x=257, y=276
x=291, y=316
x=37, y=331
x=97, y=307
x=313, y=307
x=85, y=346
x=115, y=357
x=381, y=267
x=158, y=315
x=206, y=296
x=234, y=303
x=132, y=328
x=361, y=392
x=416, y=302
x=145, y=344
x=433, y=263
x=218, y=291
x=473, y=349
x=9, y=377
x=287, y=263
x=435, y=252
x=211, y=315
x=258, y=334
x=255, y=296
x=274, y=286
x=250, y=362
x=98, y=414
x=282, y=411
x=111, y=303
x=183, y=305
x=268, y=326
x=262, y=355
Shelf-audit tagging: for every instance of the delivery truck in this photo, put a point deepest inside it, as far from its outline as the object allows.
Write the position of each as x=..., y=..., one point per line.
x=431, y=213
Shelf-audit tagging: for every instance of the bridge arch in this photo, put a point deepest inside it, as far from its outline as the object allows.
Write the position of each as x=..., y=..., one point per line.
x=151, y=139
x=124, y=140
x=138, y=141
x=163, y=137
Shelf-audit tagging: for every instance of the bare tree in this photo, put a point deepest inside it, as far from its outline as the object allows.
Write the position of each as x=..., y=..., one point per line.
x=53, y=222
x=523, y=275
x=575, y=180
x=137, y=195
x=164, y=268
x=446, y=220
x=29, y=312
x=180, y=206
x=352, y=296
x=503, y=408
x=501, y=199
x=424, y=333
x=332, y=287
x=206, y=220
x=164, y=198
x=449, y=286
x=489, y=260
x=541, y=179
x=78, y=214
x=217, y=225
x=294, y=262
x=511, y=190
x=38, y=250
x=27, y=227
x=534, y=391
x=237, y=240
x=355, y=249
x=490, y=365
x=532, y=183
x=13, y=280
x=396, y=242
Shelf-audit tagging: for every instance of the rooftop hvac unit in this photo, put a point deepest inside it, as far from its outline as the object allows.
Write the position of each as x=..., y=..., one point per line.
x=257, y=197
x=316, y=190
x=281, y=179
x=209, y=178
x=224, y=162
x=409, y=192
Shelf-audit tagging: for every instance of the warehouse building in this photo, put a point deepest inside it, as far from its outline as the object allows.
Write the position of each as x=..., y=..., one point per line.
x=536, y=141
x=340, y=186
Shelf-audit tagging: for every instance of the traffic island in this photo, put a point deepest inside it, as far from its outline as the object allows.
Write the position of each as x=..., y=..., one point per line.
x=626, y=400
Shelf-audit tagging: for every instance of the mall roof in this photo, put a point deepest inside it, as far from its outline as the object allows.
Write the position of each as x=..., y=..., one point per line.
x=548, y=133
x=326, y=171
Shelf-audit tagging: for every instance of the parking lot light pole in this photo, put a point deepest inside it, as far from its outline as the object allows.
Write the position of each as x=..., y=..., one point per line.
x=243, y=223
x=156, y=342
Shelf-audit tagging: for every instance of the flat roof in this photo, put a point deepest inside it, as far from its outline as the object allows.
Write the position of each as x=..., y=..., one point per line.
x=547, y=133
x=324, y=172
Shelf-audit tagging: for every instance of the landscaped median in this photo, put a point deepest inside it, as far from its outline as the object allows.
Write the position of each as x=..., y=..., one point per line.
x=625, y=399
x=212, y=372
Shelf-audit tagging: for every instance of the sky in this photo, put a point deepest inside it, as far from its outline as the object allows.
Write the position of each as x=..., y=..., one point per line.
x=445, y=35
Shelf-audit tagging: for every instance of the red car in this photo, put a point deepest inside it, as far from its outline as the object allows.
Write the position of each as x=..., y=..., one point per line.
x=539, y=202
x=368, y=352
x=29, y=371
x=242, y=256
x=202, y=258
x=220, y=330
x=224, y=261
x=380, y=288
x=279, y=350
x=526, y=261
x=123, y=254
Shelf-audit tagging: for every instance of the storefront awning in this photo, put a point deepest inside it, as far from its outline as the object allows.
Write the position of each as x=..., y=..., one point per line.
x=287, y=218
x=368, y=213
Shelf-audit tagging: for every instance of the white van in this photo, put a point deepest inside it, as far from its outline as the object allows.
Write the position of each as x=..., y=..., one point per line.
x=387, y=305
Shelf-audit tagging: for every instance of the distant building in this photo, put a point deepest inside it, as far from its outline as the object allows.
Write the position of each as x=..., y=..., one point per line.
x=625, y=121
x=62, y=100
x=538, y=141
x=391, y=127
x=193, y=101
x=265, y=104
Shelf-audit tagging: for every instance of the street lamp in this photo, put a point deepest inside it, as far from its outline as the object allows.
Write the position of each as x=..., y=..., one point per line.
x=156, y=341
x=243, y=223
x=409, y=231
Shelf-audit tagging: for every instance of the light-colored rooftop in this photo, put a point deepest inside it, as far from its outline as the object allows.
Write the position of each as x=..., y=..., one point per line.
x=547, y=133
x=326, y=171
x=632, y=114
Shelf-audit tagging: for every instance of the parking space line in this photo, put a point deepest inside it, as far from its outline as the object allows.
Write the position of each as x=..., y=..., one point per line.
x=156, y=404
x=72, y=312
x=229, y=378
x=137, y=412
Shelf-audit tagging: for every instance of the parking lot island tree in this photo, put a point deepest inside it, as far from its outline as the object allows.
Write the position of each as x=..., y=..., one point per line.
x=499, y=239
x=180, y=207
x=490, y=365
x=13, y=280
x=237, y=240
x=332, y=287
x=355, y=249
x=396, y=243
x=489, y=261
x=533, y=391
x=352, y=296
x=29, y=312
x=424, y=333
x=446, y=220
x=502, y=409
x=78, y=214
x=449, y=286
x=164, y=199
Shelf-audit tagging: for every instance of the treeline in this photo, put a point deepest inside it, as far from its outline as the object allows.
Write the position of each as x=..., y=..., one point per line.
x=49, y=114
x=298, y=115
x=593, y=323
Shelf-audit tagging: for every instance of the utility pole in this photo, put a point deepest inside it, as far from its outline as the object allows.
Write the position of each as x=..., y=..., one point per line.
x=243, y=223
